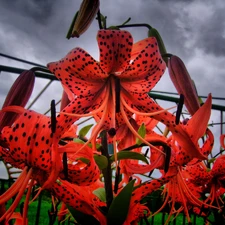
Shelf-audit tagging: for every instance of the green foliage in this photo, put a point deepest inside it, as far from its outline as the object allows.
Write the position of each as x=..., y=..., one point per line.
x=101, y=161
x=142, y=133
x=100, y=193
x=82, y=218
x=129, y=155
x=84, y=160
x=118, y=210
x=83, y=131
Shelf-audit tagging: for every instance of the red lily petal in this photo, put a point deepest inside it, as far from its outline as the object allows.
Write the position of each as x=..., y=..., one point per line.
x=78, y=198
x=115, y=49
x=139, y=46
x=184, y=136
x=80, y=173
x=147, y=66
x=196, y=126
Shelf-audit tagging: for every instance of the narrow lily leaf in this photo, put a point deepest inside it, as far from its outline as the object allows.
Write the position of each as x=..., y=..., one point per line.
x=78, y=140
x=82, y=218
x=100, y=193
x=129, y=155
x=119, y=208
x=84, y=160
x=101, y=161
x=141, y=132
x=84, y=130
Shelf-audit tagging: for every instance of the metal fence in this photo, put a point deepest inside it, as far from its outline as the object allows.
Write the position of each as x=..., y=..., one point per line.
x=157, y=95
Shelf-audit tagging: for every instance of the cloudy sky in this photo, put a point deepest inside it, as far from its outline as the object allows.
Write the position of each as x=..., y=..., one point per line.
x=194, y=30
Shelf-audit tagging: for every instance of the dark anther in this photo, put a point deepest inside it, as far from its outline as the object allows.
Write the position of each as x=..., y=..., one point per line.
x=53, y=116
x=146, y=152
x=150, y=173
x=117, y=84
x=112, y=132
x=167, y=150
x=179, y=108
x=65, y=166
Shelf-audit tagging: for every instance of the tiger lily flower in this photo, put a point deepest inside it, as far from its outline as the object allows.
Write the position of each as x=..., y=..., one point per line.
x=109, y=89
x=115, y=88
x=30, y=145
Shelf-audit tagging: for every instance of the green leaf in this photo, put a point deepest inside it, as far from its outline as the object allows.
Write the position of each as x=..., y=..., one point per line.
x=84, y=130
x=118, y=210
x=84, y=160
x=78, y=140
x=100, y=193
x=82, y=218
x=101, y=161
x=128, y=20
x=129, y=155
x=141, y=132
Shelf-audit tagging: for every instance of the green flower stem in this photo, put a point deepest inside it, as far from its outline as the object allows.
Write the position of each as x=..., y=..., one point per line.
x=135, y=25
x=107, y=172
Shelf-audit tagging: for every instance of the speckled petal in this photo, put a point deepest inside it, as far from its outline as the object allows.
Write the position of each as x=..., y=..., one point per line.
x=115, y=49
x=147, y=63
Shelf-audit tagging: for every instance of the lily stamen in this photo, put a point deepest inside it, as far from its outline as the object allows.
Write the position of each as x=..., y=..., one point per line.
x=126, y=120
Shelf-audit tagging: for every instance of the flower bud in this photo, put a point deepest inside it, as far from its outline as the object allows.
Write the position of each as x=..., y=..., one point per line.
x=83, y=18
x=183, y=83
x=18, y=94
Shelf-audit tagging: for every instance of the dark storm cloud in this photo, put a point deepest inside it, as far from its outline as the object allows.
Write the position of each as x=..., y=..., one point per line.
x=35, y=30
x=38, y=10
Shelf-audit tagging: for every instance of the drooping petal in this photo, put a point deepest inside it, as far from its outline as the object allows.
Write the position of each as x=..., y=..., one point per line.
x=78, y=198
x=79, y=72
x=115, y=49
x=182, y=134
x=29, y=139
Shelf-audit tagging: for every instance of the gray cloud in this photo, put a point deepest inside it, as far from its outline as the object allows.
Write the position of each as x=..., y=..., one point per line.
x=194, y=30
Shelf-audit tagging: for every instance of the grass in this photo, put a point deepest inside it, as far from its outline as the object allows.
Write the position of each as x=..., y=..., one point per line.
x=46, y=206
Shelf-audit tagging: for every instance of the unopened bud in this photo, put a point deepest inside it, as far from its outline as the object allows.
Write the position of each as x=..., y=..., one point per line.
x=19, y=95
x=83, y=18
x=183, y=83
